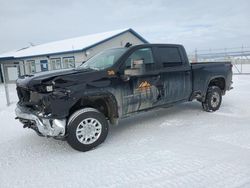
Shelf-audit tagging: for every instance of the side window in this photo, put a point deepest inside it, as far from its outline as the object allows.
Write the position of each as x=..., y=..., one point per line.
x=169, y=56
x=145, y=55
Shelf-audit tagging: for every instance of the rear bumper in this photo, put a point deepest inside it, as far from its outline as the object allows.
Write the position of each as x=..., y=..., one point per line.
x=43, y=125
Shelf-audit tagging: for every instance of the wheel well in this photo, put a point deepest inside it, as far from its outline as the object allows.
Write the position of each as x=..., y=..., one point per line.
x=105, y=104
x=220, y=82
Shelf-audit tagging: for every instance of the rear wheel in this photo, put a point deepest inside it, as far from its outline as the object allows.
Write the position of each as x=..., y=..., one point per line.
x=213, y=99
x=87, y=128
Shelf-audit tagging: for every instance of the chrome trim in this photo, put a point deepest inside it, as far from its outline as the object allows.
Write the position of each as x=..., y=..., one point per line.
x=47, y=127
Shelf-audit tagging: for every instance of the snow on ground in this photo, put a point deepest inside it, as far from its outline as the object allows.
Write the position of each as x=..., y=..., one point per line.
x=181, y=146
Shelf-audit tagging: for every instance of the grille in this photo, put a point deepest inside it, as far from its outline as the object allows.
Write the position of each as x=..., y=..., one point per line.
x=23, y=94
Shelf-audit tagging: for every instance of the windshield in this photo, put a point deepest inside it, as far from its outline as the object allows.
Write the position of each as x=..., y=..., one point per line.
x=103, y=60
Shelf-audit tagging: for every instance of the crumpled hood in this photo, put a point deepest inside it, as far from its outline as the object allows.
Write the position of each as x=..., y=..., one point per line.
x=37, y=78
x=59, y=77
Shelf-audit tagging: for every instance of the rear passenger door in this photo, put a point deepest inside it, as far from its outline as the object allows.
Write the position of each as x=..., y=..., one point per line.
x=175, y=73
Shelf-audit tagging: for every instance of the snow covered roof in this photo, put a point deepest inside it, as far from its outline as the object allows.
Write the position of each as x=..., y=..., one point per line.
x=68, y=45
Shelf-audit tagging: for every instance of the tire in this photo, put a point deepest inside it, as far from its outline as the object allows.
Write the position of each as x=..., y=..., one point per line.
x=87, y=128
x=213, y=99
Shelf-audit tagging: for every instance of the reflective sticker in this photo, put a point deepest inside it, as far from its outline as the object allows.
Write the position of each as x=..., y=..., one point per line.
x=144, y=86
x=111, y=72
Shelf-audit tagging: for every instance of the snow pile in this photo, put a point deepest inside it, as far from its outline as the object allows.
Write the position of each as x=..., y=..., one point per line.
x=181, y=146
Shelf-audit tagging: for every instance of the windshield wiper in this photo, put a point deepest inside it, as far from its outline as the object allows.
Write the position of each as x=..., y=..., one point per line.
x=85, y=68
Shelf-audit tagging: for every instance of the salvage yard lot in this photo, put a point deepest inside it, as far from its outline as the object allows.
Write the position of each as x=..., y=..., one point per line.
x=181, y=146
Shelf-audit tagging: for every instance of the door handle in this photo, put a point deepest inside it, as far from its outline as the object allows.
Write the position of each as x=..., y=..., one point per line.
x=157, y=78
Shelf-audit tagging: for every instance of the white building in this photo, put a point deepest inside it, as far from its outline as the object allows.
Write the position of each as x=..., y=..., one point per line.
x=63, y=54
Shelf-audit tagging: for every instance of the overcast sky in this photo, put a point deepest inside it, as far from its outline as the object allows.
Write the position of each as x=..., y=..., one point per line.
x=193, y=23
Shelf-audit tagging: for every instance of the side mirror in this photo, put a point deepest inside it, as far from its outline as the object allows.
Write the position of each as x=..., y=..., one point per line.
x=137, y=69
x=138, y=63
x=82, y=63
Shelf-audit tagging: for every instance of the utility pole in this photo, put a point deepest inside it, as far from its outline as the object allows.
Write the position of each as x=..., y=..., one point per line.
x=196, y=55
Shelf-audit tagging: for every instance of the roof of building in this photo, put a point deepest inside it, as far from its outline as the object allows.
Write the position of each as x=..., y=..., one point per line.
x=67, y=45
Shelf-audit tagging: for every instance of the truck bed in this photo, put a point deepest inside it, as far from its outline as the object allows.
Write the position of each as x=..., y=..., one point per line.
x=204, y=72
x=210, y=62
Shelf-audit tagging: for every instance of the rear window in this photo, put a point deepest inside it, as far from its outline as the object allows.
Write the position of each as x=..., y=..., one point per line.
x=169, y=56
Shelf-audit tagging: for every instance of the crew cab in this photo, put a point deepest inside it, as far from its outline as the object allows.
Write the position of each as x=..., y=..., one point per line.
x=79, y=104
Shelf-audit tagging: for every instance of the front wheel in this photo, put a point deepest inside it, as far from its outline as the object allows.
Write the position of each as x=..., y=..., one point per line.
x=87, y=128
x=213, y=99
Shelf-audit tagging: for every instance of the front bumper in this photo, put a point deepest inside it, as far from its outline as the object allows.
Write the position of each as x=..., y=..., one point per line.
x=43, y=125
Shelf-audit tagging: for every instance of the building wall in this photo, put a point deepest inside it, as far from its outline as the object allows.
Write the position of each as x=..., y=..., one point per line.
x=23, y=65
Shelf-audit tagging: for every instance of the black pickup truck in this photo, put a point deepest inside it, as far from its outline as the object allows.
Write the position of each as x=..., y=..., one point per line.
x=79, y=104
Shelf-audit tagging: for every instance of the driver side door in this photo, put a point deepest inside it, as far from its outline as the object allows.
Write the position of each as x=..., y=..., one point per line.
x=145, y=88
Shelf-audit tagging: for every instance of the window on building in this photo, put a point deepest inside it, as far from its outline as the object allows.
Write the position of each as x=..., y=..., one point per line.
x=55, y=63
x=31, y=66
x=68, y=62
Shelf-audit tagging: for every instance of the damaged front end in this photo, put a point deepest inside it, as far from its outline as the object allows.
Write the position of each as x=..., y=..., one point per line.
x=46, y=98
x=34, y=111
x=44, y=126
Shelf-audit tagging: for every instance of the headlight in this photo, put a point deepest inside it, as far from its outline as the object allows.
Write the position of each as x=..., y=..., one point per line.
x=49, y=88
